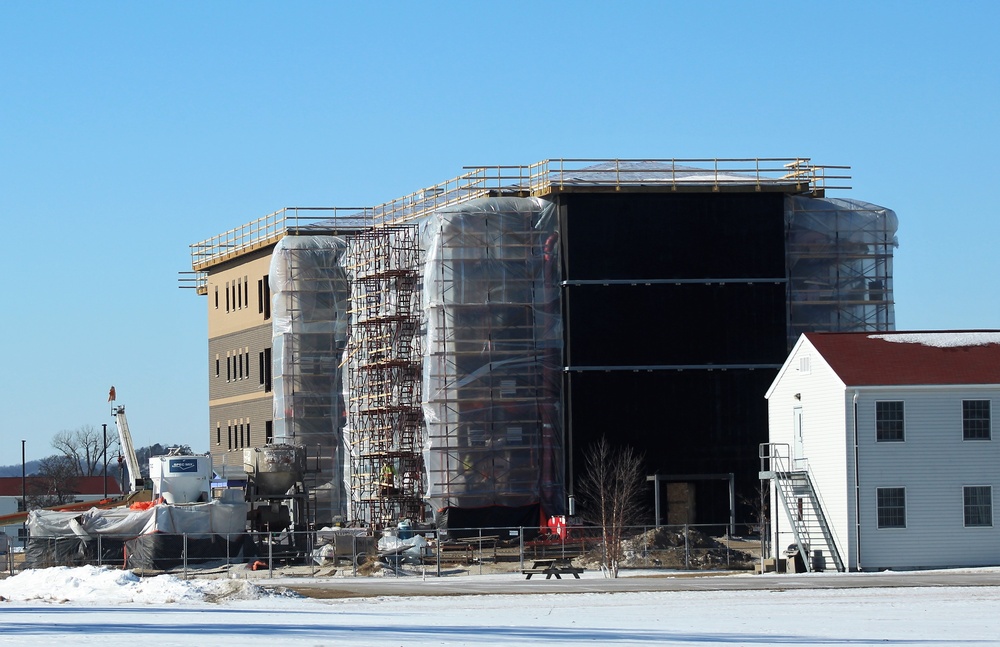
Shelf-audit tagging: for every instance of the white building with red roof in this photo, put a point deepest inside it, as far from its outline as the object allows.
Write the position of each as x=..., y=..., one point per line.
x=882, y=453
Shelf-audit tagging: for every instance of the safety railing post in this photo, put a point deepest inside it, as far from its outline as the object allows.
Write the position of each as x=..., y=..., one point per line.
x=687, y=549
x=520, y=546
x=184, y=553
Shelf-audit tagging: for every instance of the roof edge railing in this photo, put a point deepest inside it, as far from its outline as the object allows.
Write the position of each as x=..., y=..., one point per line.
x=534, y=179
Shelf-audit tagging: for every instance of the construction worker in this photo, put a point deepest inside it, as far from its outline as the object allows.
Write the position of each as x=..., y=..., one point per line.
x=387, y=480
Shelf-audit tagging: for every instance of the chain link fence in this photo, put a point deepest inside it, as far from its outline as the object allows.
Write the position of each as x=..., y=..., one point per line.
x=349, y=552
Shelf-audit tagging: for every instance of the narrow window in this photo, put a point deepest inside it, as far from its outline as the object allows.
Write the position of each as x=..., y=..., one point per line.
x=975, y=420
x=239, y=359
x=216, y=365
x=239, y=294
x=268, y=431
x=267, y=370
x=246, y=360
x=891, y=503
x=249, y=437
x=978, y=505
x=267, y=297
x=246, y=290
x=227, y=296
x=229, y=368
x=217, y=297
x=889, y=421
x=229, y=431
x=218, y=433
x=260, y=296
x=260, y=367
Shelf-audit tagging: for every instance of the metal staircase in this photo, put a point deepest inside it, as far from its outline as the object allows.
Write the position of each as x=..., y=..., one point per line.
x=802, y=505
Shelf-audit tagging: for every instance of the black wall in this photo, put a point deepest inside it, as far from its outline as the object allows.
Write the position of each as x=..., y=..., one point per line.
x=727, y=253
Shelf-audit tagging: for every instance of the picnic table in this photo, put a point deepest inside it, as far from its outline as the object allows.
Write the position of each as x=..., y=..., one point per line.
x=486, y=541
x=553, y=566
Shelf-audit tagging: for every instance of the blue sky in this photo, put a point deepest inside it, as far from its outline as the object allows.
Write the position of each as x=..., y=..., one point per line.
x=129, y=130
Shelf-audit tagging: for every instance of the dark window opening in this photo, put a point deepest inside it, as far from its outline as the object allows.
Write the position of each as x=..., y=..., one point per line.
x=978, y=505
x=976, y=419
x=889, y=421
x=267, y=297
x=891, y=503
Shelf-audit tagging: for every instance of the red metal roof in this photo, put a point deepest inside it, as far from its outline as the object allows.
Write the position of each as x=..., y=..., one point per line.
x=912, y=358
x=85, y=485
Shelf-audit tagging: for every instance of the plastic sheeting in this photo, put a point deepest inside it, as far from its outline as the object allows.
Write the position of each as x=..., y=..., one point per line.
x=150, y=538
x=195, y=519
x=493, y=350
x=839, y=255
x=310, y=293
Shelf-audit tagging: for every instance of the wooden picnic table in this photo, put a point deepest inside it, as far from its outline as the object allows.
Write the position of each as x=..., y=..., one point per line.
x=486, y=541
x=553, y=566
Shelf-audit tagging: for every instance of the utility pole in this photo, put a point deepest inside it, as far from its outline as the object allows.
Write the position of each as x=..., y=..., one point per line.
x=24, y=498
x=104, y=457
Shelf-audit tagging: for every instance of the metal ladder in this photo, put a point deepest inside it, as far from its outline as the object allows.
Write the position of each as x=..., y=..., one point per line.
x=803, y=506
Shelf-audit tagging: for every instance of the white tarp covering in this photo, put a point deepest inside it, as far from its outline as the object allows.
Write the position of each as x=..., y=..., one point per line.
x=197, y=519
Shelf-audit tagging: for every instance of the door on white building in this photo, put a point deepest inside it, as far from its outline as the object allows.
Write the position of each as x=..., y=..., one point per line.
x=798, y=453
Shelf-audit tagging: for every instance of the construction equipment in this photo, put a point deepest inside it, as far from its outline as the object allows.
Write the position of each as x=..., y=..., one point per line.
x=135, y=481
x=177, y=478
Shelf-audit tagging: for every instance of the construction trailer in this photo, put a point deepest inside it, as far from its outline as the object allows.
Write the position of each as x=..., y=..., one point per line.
x=649, y=301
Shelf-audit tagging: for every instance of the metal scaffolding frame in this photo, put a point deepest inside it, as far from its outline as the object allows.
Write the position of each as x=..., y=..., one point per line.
x=839, y=259
x=385, y=420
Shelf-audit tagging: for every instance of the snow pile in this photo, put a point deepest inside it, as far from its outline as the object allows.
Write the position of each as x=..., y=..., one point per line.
x=943, y=339
x=104, y=585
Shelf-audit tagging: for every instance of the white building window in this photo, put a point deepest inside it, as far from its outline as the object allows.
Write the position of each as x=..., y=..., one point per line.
x=889, y=421
x=975, y=419
x=978, y=505
x=891, y=505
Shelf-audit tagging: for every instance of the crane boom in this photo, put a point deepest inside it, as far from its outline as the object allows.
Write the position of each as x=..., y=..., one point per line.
x=128, y=450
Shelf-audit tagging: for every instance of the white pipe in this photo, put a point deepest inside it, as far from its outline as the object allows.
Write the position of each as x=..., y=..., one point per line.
x=857, y=488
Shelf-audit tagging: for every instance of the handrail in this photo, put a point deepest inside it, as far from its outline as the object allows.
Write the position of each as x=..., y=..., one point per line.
x=539, y=178
x=772, y=460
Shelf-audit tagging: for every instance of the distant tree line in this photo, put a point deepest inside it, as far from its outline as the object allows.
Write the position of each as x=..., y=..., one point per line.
x=80, y=453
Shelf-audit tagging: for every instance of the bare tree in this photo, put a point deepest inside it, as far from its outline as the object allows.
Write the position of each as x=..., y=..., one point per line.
x=54, y=483
x=84, y=446
x=611, y=493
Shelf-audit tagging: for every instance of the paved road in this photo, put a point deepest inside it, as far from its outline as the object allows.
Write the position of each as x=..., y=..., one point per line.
x=594, y=583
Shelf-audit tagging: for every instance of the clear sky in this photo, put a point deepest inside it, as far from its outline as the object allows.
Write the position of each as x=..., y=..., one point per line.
x=129, y=130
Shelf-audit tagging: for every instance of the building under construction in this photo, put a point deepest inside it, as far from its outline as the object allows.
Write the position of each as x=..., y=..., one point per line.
x=454, y=353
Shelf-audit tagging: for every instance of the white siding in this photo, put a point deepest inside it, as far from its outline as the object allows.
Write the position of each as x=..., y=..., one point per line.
x=824, y=439
x=933, y=463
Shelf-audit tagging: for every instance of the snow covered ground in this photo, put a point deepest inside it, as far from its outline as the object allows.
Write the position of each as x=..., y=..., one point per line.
x=91, y=606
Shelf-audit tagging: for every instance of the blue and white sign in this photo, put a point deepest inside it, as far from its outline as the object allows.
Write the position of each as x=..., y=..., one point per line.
x=183, y=466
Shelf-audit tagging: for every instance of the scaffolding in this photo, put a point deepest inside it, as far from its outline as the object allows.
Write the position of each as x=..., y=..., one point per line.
x=309, y=330
x=492, y=380
x=385, y=421
x=839, y=256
